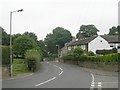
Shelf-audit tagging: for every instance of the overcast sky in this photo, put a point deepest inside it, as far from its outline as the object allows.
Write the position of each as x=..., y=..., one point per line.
x=42, y=16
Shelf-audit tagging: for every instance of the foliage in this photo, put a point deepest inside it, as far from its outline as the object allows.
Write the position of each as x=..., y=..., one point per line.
x=5, y=55
x=77, y=52
x=103, y=52
x=32, y=59
x=22, y=44
x=113, y=31
x=5, y=37
x=105, y=58
x=31, y=35
x=22, y=67
x=59, y=37
x=15, y=36
x=90, y=53
x=88, y=30
x=41, y=44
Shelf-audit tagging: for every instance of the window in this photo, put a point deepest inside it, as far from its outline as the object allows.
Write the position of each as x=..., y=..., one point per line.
x=111, y=45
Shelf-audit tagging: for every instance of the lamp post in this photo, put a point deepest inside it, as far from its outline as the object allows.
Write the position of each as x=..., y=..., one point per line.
x=11, y=39
x=58, y=51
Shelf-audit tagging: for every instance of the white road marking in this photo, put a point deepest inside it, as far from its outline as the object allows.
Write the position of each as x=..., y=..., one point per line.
x=46, y=81
x=60, y=68
x=92, y=83
x=61, y=73
x=51, y=78
x=55, y=66
x=92, y=77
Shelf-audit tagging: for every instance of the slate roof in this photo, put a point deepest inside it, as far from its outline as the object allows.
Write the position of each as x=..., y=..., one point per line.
x=111, y=38
x=82, y=41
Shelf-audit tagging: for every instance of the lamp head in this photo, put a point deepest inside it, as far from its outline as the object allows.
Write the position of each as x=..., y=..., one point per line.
x=20, y=10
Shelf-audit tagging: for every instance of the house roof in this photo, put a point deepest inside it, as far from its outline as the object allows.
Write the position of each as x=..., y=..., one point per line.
x=82, y=41
x=111, y=38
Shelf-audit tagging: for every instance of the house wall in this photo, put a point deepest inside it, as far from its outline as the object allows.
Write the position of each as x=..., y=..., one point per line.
x=98, y=43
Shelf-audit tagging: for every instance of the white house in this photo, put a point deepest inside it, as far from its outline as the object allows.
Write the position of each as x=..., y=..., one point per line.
x=94, y=43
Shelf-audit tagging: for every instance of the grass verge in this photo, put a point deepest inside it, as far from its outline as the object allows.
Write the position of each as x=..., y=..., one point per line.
x=19, y=67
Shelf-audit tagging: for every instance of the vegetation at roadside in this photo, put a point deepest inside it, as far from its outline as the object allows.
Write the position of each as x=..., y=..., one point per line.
x=19, y=67
x=78, y=55
x=5, y=55
x=32, y=59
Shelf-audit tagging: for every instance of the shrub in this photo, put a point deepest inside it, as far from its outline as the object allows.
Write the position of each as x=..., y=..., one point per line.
x=77, y=52
x=90, y=53
x=68, y=57
x=105, y=58
x=5, y=55
x=32, y=59
x=104, y=52
x=83, y=58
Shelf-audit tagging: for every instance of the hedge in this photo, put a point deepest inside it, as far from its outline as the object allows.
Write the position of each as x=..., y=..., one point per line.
x=32, y=59
x=5, y=55
x=103, y=52
x=105, y=58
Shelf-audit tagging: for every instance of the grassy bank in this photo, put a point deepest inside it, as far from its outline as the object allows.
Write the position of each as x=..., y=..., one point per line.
x=19, y=67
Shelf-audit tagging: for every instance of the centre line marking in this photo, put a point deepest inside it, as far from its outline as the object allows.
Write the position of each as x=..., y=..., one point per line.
x=55, y=66
x=46, y=81
x=60, y=68
x=61, y=73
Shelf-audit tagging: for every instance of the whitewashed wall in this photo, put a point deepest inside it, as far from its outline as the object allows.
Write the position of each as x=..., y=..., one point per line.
x=96, y=44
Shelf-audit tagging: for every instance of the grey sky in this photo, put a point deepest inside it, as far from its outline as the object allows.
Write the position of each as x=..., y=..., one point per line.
x=42, y=16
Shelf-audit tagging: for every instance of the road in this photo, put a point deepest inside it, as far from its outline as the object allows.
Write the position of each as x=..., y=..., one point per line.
x=58, y=75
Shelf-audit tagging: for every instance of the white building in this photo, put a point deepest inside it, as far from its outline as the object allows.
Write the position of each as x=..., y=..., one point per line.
x=94, y=43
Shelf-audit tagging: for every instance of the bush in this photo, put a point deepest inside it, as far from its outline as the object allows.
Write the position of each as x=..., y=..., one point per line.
x=5, y=55
x=32, y=59
x=77, y=52
x=90, y=53
x=104, y=52
x=106, y=58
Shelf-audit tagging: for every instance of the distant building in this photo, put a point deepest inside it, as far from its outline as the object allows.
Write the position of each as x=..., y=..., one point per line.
x=98, y=42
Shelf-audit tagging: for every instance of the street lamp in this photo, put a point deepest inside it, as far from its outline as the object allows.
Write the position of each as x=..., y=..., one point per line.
x=11, y=39
x=58, y=50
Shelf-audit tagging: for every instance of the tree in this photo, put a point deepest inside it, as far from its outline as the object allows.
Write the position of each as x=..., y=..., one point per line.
x=5, y=37
x=22, y=44
x=31, y=35
x=113, y=31
x=42, y=45
x=59, y=37
x=88, y=30
x=15, y=36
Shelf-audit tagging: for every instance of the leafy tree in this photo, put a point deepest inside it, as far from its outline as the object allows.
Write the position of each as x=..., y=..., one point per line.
x=22, y=44
x=5, y=37
x=42, y=45
x=59, y=37
x=88, y=30
x=113, y=31
x=31, y=35
x=15, y=36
